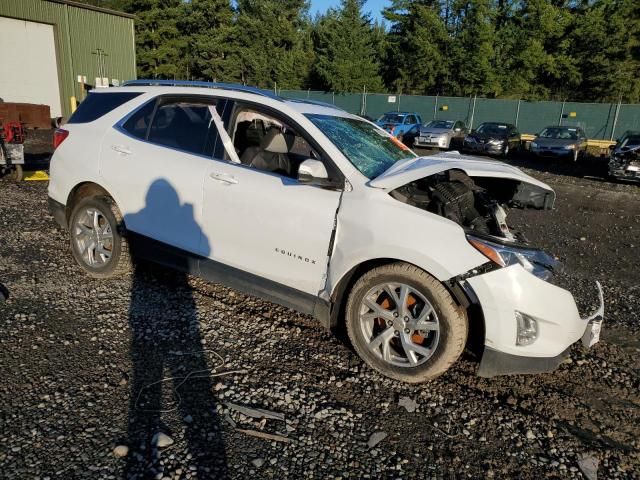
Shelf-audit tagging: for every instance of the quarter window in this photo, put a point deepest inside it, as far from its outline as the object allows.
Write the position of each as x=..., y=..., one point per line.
x=138, y=123
x=97, y=105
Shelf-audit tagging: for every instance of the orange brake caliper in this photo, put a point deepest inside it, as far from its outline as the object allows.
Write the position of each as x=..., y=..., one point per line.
x=416, y=337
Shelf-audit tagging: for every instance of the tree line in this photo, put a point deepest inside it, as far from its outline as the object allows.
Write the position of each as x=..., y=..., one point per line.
x=584, y=50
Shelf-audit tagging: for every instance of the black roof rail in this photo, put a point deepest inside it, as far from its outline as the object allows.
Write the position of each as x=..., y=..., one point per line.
x=189, y=83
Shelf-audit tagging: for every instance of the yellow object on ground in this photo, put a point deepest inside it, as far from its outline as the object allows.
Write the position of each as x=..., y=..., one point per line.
x=37, y=175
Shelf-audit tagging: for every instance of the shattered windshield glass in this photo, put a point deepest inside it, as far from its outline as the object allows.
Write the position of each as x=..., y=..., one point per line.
x=369, y=149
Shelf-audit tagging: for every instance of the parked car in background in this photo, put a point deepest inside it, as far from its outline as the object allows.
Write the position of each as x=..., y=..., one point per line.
x=628, y=141
x=400, y=123
x=493, y=138
x=625, y=157
x=441, y=134
x=560, y=142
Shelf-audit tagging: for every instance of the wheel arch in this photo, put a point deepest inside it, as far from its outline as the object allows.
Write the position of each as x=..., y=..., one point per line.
x=84, y=190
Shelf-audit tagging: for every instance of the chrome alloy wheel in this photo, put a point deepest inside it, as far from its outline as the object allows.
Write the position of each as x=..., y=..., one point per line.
x=399, y=324
x=93, y=236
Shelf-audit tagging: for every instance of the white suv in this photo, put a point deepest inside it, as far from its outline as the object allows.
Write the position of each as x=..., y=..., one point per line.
x=319, y=210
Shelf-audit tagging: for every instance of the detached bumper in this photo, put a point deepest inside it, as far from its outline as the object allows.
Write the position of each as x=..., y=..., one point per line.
x=501, y=293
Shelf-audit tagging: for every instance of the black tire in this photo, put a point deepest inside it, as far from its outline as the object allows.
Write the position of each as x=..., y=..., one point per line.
x=119, y=262
x=452, y=319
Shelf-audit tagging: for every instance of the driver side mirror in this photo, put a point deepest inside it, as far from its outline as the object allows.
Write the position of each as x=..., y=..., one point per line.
x=313, y=172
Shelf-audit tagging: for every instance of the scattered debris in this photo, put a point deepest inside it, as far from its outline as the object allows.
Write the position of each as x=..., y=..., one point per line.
x=162, y=440
x=121, y=451
x=408, y=403
x=255, y=412
x=376, y=438
x=588, y=465
x=266, y=436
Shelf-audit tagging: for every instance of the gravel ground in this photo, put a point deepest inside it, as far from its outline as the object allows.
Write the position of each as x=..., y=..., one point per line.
x=138, y=376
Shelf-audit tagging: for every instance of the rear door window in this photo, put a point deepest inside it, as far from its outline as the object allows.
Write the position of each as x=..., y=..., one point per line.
x=97, y=105
x=185, y=124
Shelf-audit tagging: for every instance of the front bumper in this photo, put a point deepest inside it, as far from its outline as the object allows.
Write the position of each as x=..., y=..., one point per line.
x=500, y=293
x=487, y=148
x=552, y=152
x=624, y=169
x=431, y=141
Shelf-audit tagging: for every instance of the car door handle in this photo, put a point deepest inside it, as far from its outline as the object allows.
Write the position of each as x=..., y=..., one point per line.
x=224, y=178
x=121, y=149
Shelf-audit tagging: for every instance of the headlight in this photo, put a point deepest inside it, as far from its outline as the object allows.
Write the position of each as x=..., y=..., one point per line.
x=496, y=142
x=569, y=147
x=469, y=139
x=537, y=262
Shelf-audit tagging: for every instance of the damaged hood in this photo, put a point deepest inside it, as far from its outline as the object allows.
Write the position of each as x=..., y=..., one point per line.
x=530, y=192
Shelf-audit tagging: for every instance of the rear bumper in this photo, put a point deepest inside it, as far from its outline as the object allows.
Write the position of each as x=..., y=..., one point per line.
x=58, y=212
x=500, y=293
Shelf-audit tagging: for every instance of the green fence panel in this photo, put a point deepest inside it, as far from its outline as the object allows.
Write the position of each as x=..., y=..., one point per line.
x=491, y=110
x=453, y=108
x=628, y=119
x=534, y=116
x=351, y=102
x=596, y=119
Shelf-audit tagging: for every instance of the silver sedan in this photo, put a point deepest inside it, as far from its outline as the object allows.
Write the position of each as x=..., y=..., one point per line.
x=441, y=134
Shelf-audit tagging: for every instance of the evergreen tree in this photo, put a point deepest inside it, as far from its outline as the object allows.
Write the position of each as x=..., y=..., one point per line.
x=610, y=60
x=418, y=59
x=473, y=49
x=345, y=45
x=160, y=44
x=209, y=31
x=273, y=43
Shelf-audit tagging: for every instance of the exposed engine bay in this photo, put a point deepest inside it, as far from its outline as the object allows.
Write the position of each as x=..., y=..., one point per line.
x=478, y=204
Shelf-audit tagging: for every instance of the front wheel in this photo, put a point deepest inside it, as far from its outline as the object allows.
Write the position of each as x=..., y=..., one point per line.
x=404, y=323
x=98, y=241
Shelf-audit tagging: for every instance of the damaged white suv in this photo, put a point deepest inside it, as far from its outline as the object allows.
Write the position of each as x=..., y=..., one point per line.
x=319, y=210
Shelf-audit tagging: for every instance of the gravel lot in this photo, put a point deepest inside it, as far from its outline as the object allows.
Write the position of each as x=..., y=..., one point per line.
x=94, y=371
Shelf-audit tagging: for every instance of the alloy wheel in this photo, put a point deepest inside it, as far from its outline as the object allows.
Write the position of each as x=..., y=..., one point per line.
x=399, y=324
x=93, y=236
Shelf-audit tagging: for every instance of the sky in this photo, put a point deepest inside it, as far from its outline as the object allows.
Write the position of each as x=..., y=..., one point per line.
x=374, y=7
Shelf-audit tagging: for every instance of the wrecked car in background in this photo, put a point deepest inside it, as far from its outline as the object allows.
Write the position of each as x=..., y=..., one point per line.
x=319, y=210
x=624, y=163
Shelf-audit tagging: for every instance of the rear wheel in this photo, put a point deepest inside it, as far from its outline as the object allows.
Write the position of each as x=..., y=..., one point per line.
x=98, y=241
x=404, y=324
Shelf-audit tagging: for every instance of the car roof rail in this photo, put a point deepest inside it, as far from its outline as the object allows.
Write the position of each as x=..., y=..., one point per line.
x=191, y=83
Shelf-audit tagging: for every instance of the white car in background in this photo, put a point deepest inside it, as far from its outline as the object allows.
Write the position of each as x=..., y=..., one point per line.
x=321, y=211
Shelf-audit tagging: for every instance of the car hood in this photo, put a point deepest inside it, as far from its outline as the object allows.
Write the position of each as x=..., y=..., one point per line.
x=554, y=142
x=530, y=193
x=484, y=136
x=435, y=131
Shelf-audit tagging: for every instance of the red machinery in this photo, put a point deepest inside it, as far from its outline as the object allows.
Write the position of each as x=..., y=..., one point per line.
x=12, y=135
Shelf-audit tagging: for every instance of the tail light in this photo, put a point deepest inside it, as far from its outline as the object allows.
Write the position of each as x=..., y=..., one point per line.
x=59, y=136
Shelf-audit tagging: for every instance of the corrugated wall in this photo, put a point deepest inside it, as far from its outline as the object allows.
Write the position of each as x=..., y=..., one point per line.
x=78, y=33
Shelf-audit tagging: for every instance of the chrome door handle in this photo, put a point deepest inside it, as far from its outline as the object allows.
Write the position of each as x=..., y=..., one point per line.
x=224, y=178
x=121, y=149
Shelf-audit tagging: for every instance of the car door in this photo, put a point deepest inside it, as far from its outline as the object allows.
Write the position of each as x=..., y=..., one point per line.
x=154, y=162
x=264, y=223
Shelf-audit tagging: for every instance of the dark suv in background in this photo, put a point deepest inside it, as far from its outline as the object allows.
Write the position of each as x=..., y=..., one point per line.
x=493, y=138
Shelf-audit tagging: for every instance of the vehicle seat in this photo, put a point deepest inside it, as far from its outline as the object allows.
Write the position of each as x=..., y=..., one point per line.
x=272, y=155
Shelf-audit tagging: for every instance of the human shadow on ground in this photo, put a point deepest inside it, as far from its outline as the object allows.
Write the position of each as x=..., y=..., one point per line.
x=171, y=382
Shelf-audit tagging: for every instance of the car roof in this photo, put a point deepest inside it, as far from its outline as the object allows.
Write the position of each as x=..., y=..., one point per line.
x=231, y=90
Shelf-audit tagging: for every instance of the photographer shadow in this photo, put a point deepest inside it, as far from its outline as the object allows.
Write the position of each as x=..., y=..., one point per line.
x=171, y=382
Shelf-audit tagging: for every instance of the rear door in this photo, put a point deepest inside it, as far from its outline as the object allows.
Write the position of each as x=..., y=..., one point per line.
x=154, y=162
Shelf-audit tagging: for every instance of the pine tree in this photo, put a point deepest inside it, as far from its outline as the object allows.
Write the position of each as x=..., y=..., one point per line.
x=418, y=42
x=209, y=31
x=273, y=43
x=345, y=46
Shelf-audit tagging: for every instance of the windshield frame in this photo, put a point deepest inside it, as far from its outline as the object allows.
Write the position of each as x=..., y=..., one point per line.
x=496, y=129
x=557, y=130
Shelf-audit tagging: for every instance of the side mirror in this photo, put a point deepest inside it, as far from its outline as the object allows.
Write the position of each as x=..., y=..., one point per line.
x=313, y=172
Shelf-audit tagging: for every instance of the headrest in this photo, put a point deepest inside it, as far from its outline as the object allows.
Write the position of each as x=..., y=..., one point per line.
x=277, y=142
